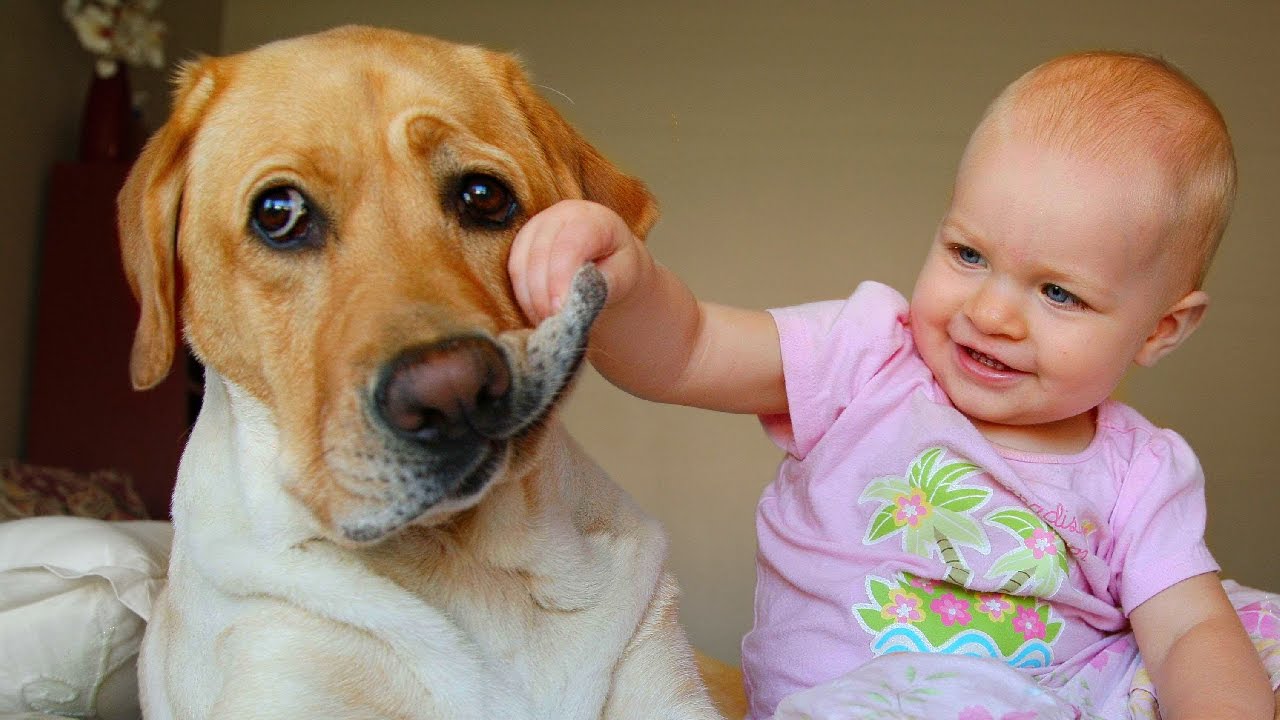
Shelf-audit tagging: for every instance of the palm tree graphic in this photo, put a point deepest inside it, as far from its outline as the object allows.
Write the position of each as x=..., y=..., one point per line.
x=1039, y=562
x=931, y=510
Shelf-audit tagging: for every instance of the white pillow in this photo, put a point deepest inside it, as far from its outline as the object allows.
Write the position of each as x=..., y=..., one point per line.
x=75, y=594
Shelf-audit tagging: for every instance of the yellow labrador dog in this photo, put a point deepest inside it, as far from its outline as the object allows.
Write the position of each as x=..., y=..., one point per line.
x=377, y=514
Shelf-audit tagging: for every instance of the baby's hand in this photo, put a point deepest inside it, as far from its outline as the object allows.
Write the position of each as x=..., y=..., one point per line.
x=551, y=247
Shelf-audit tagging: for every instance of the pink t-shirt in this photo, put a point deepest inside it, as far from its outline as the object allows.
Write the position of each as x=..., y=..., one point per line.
x=893, y=525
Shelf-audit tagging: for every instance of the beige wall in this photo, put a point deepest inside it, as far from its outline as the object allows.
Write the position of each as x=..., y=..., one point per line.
x=45, y=76
x=797, y=148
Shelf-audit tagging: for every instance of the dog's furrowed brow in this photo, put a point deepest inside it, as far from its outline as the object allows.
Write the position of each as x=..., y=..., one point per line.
x=427, y=130
x=423, y=132
x=426, y=136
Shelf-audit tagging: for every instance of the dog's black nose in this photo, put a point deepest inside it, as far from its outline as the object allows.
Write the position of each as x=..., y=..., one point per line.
x=444, y=392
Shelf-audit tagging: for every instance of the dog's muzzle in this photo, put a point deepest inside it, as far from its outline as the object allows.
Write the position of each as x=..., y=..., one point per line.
x=450, y=410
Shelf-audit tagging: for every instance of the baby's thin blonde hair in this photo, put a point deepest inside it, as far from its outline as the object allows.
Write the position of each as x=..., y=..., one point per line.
x=1132, y=106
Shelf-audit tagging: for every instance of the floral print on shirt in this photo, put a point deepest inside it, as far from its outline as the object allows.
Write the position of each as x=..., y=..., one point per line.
x=934, y=513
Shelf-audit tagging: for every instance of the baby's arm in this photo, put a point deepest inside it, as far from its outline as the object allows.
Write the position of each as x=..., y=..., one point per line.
x=1199, y=657
x=654, y=339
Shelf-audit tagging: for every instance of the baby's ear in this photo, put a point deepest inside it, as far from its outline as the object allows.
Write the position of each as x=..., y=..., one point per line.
x=1173, y=328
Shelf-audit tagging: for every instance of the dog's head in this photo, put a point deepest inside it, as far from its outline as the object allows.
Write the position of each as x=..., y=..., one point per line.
x=340, y=207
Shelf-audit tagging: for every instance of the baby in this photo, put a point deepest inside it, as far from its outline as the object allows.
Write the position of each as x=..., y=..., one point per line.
x=957, y=480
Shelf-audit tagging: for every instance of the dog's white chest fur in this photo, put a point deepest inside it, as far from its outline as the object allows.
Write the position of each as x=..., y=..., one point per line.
x=528, y=623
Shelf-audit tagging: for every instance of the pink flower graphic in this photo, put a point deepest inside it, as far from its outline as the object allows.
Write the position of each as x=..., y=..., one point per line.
x=1042, y=542
x=951, y=609
x=924, y=584
x=1028, y=623
x=1261, y=620
x=912, y=509
x=994, y=605
x=904, y=608
x=1099, y=661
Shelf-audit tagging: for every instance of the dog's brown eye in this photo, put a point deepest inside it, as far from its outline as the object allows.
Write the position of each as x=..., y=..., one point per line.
x=282, y=217
x=484, y=200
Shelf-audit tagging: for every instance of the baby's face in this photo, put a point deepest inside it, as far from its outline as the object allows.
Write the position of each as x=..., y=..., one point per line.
x=1042, y=284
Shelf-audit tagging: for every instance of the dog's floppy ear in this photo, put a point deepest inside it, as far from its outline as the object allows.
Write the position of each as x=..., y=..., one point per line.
x=147, y=216
x=575, y=162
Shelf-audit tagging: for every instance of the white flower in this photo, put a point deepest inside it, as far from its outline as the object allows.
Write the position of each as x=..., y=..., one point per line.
x=106, y=67
x=118, y=30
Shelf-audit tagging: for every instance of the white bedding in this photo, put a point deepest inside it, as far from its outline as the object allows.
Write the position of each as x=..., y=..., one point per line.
x=75, y=594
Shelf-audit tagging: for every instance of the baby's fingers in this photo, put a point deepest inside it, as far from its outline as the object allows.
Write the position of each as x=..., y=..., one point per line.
x=552, y=246
x=530, y=264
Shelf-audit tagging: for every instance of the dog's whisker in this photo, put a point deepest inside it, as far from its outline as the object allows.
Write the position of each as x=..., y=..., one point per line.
x=548, y=87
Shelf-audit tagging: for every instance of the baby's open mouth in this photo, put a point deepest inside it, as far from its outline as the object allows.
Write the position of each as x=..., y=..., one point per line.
x=987, y=360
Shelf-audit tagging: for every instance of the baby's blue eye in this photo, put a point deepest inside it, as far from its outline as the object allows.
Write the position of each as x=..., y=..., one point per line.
x=1058, y=296
x=968, y=255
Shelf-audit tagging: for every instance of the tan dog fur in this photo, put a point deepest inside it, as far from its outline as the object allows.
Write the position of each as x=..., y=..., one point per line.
x=544, y=595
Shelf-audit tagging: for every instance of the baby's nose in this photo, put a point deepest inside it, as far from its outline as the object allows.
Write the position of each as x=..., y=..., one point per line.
x=996, y=309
